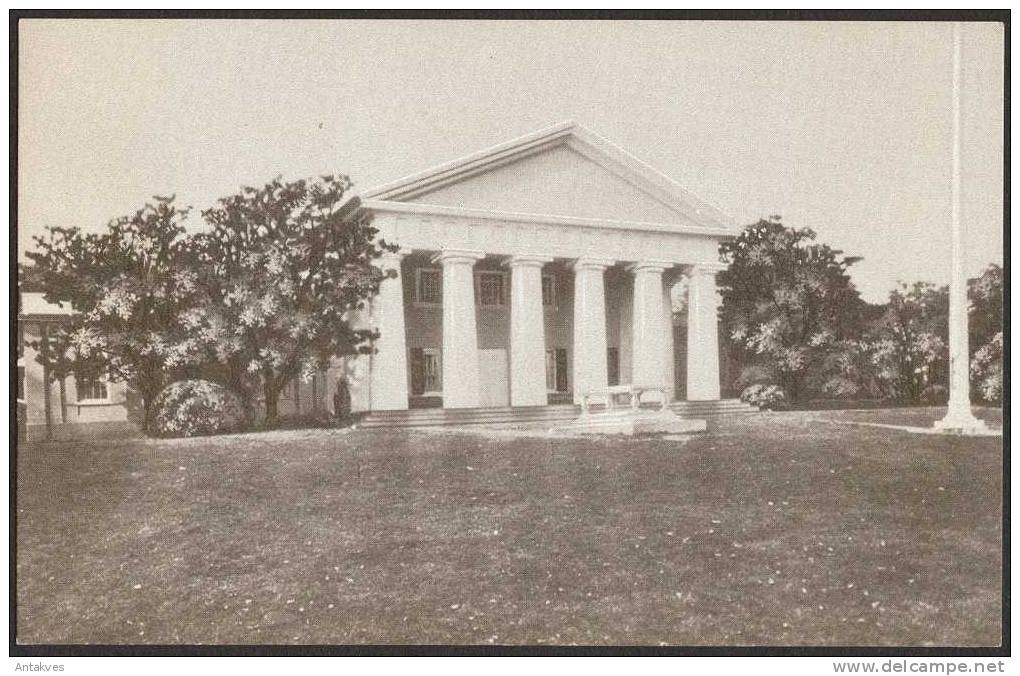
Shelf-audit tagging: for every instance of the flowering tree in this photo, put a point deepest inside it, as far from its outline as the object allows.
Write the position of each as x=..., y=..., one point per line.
x=984, y=294
x=986, y=370
x=911, y=351
x=986, y=326
x=283, y=265
x=787, y=301
x=126, y=285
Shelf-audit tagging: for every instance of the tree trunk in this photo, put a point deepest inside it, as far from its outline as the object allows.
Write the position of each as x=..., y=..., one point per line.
x=247, y=406
x=272, y=395
x=63, y=400
x=147, y=399
x=47, y=404
x=237, y=380
x=793, y=387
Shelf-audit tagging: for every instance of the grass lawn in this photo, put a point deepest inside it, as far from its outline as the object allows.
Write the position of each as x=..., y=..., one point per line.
x=772, y=529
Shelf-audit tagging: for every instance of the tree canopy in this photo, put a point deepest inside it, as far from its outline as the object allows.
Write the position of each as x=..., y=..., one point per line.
x=126, y=285
x=282, y=268
x=787, y=300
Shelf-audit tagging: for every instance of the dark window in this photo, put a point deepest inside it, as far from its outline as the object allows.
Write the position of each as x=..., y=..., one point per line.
x=91, y=388
x=426, y=376
x=430, y=285
x=417, y=371
x=561, y=370
x=613, y=364
x=550, y=370
x=548, y=290
x=433, y=376
x=490, y=288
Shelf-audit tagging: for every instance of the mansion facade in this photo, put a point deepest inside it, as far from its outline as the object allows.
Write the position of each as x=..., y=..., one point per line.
x=538, y=270
x=528, y=274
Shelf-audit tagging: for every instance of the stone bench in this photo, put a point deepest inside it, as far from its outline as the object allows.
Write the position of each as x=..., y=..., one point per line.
x=629, y=418
x=609, y=396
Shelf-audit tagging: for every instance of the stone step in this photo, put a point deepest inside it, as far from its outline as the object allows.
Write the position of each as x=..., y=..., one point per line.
x=721, y=403
x=721, y=407
x=506, y=414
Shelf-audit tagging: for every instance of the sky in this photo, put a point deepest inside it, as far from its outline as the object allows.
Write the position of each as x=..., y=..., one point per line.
x=841, y=127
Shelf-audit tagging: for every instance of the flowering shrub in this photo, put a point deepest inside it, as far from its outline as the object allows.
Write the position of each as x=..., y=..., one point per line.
x=986, y=370
x=765, y=397
x=753, y=375
x=990, y=388
x=190, y=408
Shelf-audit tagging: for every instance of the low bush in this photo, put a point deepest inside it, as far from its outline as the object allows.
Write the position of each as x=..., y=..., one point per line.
x=753, y=375
x=765, y=397
x=191, y=408
x=935, y=394
x=304, y=420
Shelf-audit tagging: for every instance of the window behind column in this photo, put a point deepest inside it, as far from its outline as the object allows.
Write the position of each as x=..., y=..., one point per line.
x=428, y=288
x=490, y=288
x=548, y=290
x=556, y=370
x=426, y=371
x=550, y=370
x=561, y=370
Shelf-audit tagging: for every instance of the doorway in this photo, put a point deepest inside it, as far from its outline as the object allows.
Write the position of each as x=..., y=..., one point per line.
x=493, y=378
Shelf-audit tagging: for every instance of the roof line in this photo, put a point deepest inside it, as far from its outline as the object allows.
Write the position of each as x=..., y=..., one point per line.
x=457, y=166
x=597, y=149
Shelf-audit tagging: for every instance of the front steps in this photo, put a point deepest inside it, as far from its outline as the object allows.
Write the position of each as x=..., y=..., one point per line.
x=431, y=417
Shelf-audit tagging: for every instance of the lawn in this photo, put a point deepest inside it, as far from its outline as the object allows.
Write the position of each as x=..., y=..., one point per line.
x=771, y=529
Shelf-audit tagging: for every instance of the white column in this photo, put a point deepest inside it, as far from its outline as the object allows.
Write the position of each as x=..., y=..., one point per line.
x=647, y=326
x=959, y=417
x=590, y=351
x=356, y=369
x=703, y=333
x=669, y=353
x=527, y=332
x=388, y=385
x=460, y=331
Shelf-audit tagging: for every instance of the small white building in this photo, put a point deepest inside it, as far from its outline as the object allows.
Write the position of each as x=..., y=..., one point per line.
x=74, y=405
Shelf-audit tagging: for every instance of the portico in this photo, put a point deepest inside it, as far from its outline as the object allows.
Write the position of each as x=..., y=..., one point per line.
x=535, y=271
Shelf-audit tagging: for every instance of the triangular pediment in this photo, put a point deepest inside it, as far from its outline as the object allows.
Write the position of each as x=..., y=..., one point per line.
x=563, y=171
x=558, y=181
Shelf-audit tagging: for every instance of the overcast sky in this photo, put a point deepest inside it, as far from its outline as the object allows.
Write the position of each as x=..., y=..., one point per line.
x=844, y=128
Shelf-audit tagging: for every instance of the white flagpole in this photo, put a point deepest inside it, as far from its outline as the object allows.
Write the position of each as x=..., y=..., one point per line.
x=959, y=418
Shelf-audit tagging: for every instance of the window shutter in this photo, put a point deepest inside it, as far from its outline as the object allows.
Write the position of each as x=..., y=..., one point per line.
x=561, y=370
x=417, y=370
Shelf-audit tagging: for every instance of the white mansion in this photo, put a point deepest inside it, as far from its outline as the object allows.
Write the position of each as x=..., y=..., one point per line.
x=537, y=270
x=529, y=273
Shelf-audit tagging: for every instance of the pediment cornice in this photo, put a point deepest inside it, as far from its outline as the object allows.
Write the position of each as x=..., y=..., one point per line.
x=613, y=159
x=433, y=212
